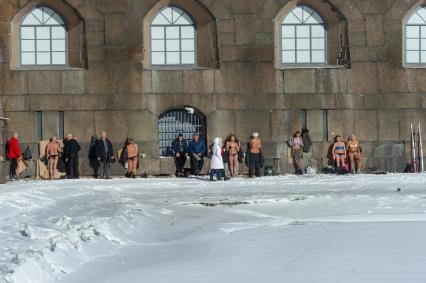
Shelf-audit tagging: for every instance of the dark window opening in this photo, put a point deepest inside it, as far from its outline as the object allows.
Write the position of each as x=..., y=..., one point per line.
x=185, y=120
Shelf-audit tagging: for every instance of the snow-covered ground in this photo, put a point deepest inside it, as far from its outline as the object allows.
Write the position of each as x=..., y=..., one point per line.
x=329, y=229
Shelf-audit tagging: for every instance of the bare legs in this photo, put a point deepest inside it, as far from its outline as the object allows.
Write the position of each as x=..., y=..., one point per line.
x=53, y=164
x=355, y=158
x=132, y=164
x=233, y=164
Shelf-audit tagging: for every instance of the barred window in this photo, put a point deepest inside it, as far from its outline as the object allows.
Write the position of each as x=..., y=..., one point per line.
x=172, y=38
x=415, y=37
x=43, y=38
x=303, y=37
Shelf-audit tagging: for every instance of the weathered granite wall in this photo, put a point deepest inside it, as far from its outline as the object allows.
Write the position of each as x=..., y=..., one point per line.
x=376, y=98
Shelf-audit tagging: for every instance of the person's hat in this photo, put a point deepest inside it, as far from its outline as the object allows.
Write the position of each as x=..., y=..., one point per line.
x=180, y=135
x=255, y=135
x=196, y=134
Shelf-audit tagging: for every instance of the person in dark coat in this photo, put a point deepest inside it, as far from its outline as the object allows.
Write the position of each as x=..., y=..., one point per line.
x=307, y=142
x=71, y=149
x=105, y=155
x=93, y=160
x=180, y=149
x=197, y=151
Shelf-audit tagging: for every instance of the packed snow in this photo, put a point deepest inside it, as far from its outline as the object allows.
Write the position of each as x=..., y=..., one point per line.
x=331, y=229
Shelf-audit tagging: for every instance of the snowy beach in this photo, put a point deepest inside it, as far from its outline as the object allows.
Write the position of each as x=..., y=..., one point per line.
x=363, y=228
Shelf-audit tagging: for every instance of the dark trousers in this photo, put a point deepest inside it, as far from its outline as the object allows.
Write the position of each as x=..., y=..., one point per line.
x=180, y=162
x=105, y=170
x=13, y=167
x=72, y=166
x=254, y=167
x=94, y=164
x=196, y=165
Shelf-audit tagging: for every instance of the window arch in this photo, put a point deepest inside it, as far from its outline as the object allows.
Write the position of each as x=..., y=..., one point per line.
x=415, y=37
x=303, y=37
x=173, y=38
x=43, y=38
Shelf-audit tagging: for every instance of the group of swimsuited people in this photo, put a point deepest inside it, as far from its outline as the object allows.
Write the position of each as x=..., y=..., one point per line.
x=228, y=154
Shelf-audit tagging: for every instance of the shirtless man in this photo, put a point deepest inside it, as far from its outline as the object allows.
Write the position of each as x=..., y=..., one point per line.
x=255, y=145
x=53, y=150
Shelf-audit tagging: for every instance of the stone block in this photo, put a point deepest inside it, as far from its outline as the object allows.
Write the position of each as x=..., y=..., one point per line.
x=225, y=81
x=226, y=38
x=226, y=26
x=90, y=102
x=198, y=81
x=365, y=122
x=358, y=39
x=244, y=29
x=373, y=7
x=284, y=124
x=228, y=53
x=115, y=29
x=392, y=26
x=94, y=39
x=391, y=78
x=300, y=81
x=364, y=78
x=333, y=80
x=416, y=81
x=377, y=53
x=221, y=123
x=126, y=102
x=146, y=81
x=13, y=82
x=340, y=122
x=142, y=126
x=229, y=101
x=44, y=82
x=81, y=124
x=388, y=125
x=315, y=124
x=72, y=82
x=114, y=123
x=245, y=6
x=248, y=122
x=167, y=81
x=356, y=25
x=375, y=30
x=15, y=102
x=95, y=25
x=359, y=54
x=99, y=79
x=50, y=125
x=45, y=102
x=264, y=38
x=22, y=123
x=112, y=6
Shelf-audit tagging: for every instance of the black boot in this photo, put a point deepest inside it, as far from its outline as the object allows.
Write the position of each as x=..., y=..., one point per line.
x=212, y=174
x=223, y=175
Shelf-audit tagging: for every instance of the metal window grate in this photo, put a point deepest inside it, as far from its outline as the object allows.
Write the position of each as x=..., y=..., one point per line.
x=170, y=124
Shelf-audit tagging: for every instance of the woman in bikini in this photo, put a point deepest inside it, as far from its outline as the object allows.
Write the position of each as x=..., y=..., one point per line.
x=53, y=149
x=339, y=152
x=354, y=152
x=233, y=148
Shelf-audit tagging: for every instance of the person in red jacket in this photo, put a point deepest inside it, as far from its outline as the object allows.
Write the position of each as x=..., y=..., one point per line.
x=13, y=153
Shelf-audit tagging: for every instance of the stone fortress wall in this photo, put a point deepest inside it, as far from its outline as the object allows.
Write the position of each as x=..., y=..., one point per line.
x=238, y=84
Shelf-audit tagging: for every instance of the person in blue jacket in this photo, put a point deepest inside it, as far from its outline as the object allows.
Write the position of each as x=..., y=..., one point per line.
x=197, y=150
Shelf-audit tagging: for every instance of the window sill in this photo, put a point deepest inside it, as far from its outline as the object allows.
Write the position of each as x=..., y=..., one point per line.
x=311, y=66
x=46, y=68
x=414, y=66
x=176, y=68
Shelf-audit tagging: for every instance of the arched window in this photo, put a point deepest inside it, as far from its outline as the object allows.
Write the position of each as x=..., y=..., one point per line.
x=180, y=120
x=43, y=38
x=172, y=38
x=415, y=37
x=303, y=37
